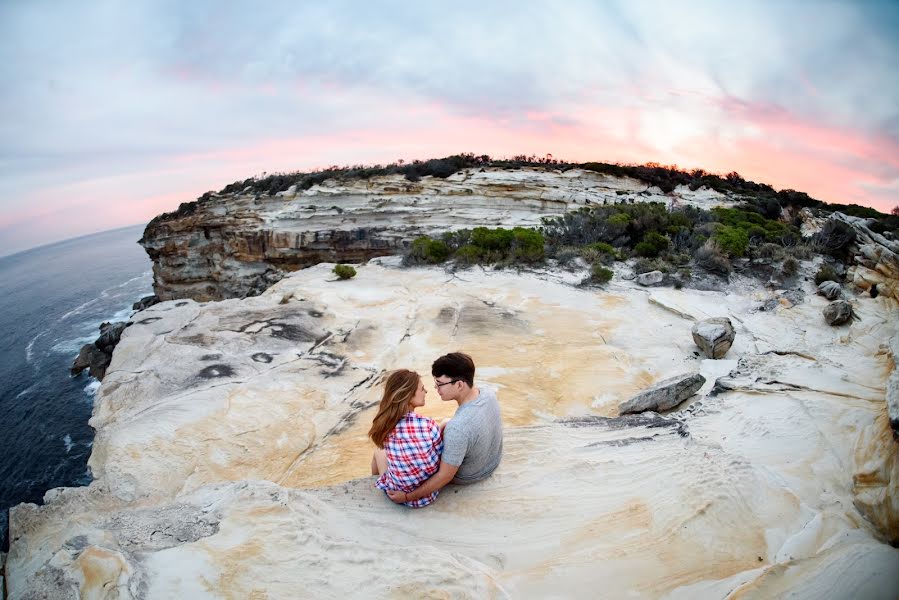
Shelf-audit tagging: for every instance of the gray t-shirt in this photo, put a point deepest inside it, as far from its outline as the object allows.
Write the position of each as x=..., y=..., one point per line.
x=473, y=439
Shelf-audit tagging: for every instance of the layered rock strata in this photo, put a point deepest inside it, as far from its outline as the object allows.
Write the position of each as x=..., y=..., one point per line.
x=231, y=459
x=236, y=245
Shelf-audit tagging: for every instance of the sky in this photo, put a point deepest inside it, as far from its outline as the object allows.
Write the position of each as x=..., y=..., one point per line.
x=113, y=112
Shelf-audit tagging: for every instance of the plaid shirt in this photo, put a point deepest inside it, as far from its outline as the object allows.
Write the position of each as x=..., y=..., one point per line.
x=413, y=454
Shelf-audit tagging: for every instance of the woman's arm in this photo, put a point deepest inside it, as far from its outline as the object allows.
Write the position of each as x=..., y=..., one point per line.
x=439, y=479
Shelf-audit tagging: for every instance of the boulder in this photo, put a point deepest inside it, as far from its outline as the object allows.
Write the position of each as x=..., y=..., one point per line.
x=110, y=334
x=714, y=336
x=665, y=394
x=838, y=312
x=651, y=278
x=829, y=289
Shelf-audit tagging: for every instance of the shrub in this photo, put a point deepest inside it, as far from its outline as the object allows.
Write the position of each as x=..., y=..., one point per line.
x=467, y=255
x=790, y=266
x=732, y=240
x=835, y=237
x=769, y=250
x=527, y=245
x=604, y=248
x=646, y=250
x=826, y=273
x=431, y=251
x=710, y=258
x=600, y=274
x=344, y=271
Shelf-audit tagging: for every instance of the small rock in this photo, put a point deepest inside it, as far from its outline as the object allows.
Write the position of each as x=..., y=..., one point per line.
x=829, y=289
x=838, y=312
x=651, y=278
x=145, y=302
x=666, y=394
x=714, y=336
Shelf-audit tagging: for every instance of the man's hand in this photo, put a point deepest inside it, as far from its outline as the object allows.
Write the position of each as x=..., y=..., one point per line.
x=397, y=496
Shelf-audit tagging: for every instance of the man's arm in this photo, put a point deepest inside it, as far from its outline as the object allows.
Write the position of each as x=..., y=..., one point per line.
x=439, y=479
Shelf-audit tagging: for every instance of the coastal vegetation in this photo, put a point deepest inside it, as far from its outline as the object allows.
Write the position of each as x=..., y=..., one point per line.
x=344, y=271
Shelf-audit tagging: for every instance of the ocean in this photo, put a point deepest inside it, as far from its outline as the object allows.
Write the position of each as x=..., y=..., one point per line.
x=53, y=300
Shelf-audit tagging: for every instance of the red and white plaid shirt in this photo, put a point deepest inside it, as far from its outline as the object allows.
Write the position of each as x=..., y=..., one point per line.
x=413, y=454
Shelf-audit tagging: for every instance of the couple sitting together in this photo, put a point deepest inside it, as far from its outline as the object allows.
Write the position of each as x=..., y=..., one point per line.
x=416, y=457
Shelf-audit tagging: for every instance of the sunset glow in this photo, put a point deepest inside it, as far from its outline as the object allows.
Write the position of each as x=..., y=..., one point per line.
x=154, y=106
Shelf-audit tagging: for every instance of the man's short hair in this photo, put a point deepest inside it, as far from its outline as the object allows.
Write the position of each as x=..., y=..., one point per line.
x=455, y=365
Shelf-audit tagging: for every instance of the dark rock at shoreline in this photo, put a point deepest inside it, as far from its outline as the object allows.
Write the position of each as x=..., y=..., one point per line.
x=96, y=356
x=145, y=302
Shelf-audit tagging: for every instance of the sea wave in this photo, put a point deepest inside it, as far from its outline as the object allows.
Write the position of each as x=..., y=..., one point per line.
x=29, y=349
x=91, y=388
x=68, y=442
x=78, y=309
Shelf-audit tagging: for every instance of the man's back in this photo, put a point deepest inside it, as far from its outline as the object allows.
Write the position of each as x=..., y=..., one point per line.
x=473, y=439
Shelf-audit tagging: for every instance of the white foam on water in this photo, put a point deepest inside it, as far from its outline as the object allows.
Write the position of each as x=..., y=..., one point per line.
x=77, y=309
x=67, y=440
x=91, y=388
x=29, y=349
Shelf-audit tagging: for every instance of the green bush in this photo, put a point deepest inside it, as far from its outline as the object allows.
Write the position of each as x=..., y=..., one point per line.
x=646, y=250
x=732, y=240
x=600, y=274
x=826, y=273
x=344, y=271
x=431, y=251
x=604, y=248
x=498, y=239
x=527, y=245
x=468, y=255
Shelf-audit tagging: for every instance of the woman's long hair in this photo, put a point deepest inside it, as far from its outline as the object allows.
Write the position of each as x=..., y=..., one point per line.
x=398, y=393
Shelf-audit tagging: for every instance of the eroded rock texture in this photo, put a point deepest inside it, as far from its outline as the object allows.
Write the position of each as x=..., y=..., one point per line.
x=231, y=457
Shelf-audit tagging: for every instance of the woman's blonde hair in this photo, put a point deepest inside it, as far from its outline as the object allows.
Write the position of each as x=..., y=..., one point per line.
x=399, y=390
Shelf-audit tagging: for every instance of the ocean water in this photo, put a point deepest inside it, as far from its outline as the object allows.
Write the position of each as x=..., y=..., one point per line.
x=52, y=301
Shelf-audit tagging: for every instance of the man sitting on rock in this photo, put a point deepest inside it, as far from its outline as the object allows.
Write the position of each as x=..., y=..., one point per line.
x=473, y=438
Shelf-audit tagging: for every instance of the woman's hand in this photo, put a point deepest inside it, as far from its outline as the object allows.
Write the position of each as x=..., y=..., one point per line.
x=397, y=496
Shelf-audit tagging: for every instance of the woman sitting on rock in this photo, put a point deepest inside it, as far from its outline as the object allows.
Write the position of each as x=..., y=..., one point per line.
x=409, y=445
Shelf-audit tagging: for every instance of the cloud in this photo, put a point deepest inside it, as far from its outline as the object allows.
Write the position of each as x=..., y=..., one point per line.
x=155, y=97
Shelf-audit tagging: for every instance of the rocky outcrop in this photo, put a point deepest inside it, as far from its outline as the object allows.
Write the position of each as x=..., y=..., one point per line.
x=237, y=245
x=714, y=336
x=664, y=395
x=232, y=434
x=96, y=356
x=875, y=258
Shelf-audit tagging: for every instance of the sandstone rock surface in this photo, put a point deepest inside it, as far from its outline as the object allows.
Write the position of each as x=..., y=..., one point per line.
x=664, y=395
x=714, y=336
x=231, y=457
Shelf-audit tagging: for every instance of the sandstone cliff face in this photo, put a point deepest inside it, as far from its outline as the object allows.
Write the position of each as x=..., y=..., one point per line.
x=238, y=245
x=231, y=457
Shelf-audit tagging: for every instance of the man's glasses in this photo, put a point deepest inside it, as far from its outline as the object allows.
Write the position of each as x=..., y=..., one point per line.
x=439, y=384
